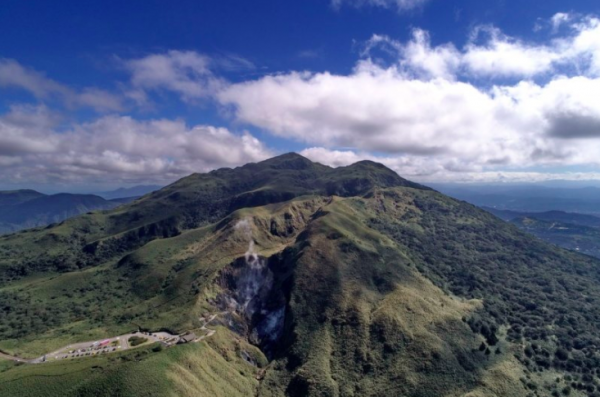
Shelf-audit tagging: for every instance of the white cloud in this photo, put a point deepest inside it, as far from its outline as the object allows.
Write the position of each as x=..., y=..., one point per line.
x=400, y=5
x=98, y=99
x=187, y=73
x=115, y=148
x=382, y=110
x=559, y=19
x=504, y=56
x=490, y=109
x=491, y=54
x=427, y=117
x=417, y=57
x=14, y=75
x=585, y=46
x=22, y=131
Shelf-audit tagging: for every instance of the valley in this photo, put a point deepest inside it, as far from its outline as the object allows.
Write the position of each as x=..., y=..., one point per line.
x=572, y=231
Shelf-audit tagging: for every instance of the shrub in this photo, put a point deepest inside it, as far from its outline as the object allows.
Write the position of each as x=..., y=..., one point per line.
x=158, y=348
x=136, y=340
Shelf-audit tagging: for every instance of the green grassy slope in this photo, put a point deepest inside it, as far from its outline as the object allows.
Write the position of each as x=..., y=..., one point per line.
x=366, y=323
x=547, y=299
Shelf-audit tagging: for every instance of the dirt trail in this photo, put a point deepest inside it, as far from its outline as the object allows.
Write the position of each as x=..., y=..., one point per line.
x=210, y=332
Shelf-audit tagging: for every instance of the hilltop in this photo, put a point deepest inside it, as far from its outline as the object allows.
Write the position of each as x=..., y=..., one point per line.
x=347, y=281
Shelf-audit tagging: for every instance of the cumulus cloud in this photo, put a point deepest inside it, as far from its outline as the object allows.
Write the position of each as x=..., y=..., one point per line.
x=417, y=57
x=15, y=75
x=489, y=53
x=115, y=148
x=34, y=120
x=400, y=5
x=488, y=110
x=187, y=73
x=428, y=111
x=501, y=55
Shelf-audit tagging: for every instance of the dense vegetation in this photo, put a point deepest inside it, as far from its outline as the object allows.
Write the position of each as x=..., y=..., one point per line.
x=384, y=287
x=547, y=299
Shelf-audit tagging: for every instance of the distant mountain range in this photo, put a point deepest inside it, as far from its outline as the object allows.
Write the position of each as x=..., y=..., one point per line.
x=527, y=198
x=549, y=216
x=576, y=232
x=23, y=209
x=135, y=191
x=26, y=208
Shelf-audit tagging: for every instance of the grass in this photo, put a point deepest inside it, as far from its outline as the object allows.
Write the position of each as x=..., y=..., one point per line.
x=191, y=370
x=157, y=286
x=378, y=327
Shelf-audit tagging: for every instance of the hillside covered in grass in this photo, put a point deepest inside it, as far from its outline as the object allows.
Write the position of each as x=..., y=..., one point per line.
x=323, y=282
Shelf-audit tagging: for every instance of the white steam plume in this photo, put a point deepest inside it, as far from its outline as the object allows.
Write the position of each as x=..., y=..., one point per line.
x=244, y=227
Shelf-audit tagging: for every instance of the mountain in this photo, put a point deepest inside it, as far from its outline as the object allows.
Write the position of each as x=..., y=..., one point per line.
x=134, y=191
x=24, y=209
x=14, y=197
x=302, y=280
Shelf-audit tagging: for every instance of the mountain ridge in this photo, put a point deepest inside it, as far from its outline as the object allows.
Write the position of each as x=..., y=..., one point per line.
x=363, y=283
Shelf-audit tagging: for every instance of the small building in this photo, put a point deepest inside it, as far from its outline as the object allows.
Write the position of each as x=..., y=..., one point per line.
x=187, y=338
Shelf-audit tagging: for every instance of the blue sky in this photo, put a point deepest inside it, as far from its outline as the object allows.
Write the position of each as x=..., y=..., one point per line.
x=100, y=94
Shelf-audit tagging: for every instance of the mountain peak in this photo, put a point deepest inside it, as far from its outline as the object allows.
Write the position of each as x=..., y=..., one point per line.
x=290, y=160
x=380, y=175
